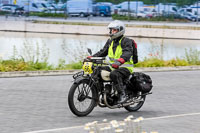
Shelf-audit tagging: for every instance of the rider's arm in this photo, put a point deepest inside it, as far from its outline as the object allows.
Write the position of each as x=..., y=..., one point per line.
x=127, y=49
x=103, y=52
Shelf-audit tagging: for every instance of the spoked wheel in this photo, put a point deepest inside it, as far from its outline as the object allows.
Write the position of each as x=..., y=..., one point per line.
x=136, y=106
x=82, y=15
x=81, y=98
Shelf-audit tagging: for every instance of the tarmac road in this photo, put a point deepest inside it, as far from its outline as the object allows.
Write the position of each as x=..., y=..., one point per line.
x=40, y=103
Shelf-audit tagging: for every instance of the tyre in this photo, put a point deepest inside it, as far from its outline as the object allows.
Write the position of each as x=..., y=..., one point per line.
x=102, y=15
x=81, y=98
x=136, y=106
x=82, y=15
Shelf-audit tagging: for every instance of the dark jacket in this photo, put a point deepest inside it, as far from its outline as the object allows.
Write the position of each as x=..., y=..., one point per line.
x=126, y=44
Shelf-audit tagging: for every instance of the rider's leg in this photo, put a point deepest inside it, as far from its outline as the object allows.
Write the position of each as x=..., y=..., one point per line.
x=117, y=77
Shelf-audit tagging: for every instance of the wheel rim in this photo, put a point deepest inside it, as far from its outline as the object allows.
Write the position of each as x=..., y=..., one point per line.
x=138, y=104
x=135, y=105
x=82, y=97
x=82, y=15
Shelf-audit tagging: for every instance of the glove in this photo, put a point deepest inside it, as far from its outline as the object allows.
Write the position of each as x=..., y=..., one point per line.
x=89, y=57
x=118, y=62
x=121, y=60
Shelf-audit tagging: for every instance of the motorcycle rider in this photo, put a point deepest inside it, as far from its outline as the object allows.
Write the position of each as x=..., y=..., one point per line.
x=120, y=50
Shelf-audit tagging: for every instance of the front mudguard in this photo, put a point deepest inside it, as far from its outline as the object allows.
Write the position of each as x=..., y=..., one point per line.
x=88, y=79
x=79, y=79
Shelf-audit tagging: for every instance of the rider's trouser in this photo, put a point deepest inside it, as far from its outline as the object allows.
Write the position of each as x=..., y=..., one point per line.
x=118, y=76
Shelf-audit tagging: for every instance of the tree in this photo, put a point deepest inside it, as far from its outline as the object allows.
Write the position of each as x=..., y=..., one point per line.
x=185, y=2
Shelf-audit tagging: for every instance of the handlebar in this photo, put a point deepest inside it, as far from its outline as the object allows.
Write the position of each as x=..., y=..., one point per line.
x=98, y=60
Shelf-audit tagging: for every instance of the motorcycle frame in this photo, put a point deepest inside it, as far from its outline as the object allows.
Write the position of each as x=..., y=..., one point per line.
x=94, y=83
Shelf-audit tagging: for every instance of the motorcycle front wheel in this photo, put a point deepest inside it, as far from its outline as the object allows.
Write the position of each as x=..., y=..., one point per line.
x=81, y=98
x=136, y=106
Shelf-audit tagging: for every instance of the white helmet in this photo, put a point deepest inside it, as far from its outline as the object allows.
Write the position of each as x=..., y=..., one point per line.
x=119, y=25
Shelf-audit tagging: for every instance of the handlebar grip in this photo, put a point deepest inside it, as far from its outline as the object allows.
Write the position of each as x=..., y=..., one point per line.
x=98, y=58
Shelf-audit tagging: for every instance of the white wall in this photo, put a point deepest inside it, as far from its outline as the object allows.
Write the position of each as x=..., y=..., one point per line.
x=177, y=32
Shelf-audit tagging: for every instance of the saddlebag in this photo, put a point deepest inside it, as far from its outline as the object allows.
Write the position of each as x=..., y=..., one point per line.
x=141, y=82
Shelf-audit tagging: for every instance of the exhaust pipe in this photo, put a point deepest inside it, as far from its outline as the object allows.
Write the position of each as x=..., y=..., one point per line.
x=119, y=105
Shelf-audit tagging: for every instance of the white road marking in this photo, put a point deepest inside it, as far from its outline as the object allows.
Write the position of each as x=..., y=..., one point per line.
x=145, y=119
x=172, y=116
x=56, y=129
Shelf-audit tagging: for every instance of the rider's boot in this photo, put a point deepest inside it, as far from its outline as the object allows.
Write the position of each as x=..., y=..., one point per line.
x=121, y=94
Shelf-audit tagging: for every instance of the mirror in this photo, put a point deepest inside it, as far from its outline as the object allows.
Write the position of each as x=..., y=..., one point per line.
x=89, y=51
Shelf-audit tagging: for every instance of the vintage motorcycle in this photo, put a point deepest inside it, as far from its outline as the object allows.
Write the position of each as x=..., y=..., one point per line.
x=93, y=87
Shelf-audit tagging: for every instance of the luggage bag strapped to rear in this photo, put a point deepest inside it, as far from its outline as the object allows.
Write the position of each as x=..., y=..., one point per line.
x=141, y=82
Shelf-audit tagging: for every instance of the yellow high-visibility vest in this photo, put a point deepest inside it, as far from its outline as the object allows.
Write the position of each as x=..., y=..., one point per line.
x=117, y=55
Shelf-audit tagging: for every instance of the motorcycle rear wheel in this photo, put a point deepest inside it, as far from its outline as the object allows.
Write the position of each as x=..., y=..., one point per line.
x=81, y=98
x=136, y=106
